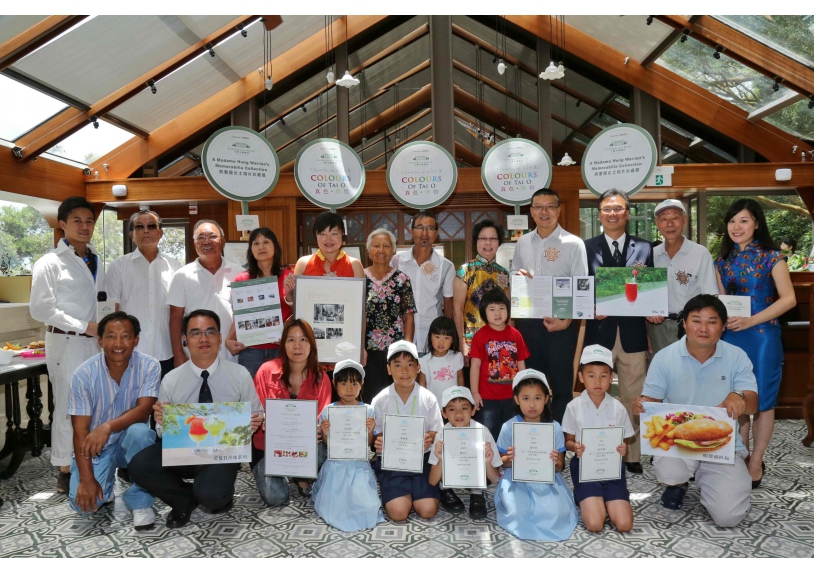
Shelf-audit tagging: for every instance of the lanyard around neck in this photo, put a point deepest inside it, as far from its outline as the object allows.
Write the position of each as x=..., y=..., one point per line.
x=412, y=410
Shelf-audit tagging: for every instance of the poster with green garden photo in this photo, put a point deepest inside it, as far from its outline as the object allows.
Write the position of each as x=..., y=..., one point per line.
x=206, y=433
x=631, y=291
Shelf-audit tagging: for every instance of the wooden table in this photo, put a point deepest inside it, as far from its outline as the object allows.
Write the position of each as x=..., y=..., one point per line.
x=35, y=436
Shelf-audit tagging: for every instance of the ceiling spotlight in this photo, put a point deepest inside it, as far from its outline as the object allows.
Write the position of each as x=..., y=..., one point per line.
x=243, y=32
x=811, y=103
x=566, y=160
x=151, y=83
x=685, y=33
x=579, y=102
x=649, y=20
x=718, y=50
x=282, y=121
x=95, y=121
x=268, y=83
x=304, y=109
x=18, y=151
x=330, y=76
x=347, y=81
x=494, y=60
x=776, y=85
x=211, y=49
x=501, y=67
x=86, y=171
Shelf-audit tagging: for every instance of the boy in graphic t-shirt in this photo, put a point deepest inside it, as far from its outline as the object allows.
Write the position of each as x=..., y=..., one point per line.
x=497, y=353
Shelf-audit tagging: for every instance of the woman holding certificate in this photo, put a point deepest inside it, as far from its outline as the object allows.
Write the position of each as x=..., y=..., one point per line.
x=295, y=374
x=263, y=260
x=532, y=501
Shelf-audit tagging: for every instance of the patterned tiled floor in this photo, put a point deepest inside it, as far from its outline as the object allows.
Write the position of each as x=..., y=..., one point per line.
x=780, y=524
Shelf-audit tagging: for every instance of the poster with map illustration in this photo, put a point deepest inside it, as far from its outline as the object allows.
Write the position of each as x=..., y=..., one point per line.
x=206, y=433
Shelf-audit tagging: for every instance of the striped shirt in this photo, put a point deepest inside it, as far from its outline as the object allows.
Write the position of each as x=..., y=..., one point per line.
x=95, y=394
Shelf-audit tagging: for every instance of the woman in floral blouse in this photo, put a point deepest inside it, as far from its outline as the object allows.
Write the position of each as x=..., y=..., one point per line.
x=750, y=264
x=390, y=308
x=476, y=278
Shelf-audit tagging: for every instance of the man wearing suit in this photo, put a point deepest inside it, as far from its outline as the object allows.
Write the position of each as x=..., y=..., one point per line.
x=626, y=336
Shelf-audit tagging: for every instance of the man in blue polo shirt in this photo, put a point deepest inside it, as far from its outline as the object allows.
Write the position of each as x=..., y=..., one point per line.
x=702, y=370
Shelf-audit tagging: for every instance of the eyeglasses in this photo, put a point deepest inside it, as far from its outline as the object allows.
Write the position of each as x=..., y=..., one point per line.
x=429, y=228
x=549, y=207
x=197, y=333
x=488, y=239
x=617, y=209
x=140, y=227
x=205, y=238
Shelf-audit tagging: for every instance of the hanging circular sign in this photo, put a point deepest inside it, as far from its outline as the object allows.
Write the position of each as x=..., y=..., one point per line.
x=240, y=163
x=514, y=169
x=619, y=157
x=329, y=173
x=421, y=175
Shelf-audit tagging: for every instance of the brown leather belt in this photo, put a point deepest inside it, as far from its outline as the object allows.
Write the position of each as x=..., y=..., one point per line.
x=51, y=329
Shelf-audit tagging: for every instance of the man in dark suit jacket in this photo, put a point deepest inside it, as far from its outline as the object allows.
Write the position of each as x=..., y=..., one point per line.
x=625, y=336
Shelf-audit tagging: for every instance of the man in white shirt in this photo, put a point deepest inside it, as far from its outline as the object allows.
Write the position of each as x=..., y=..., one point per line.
x=203, y=284
x=430, y=275
x=63, y=296
x=139, y=283
x=689, y=272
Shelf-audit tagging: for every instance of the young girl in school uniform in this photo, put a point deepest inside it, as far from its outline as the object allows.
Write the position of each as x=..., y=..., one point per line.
x=345, y=494
x=531, y=510
x=442, y=366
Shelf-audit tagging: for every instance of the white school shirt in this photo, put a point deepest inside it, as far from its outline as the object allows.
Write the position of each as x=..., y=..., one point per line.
x=582, y=413
x=487, y=437
x=689, y=273
x=193, y=287
x=441, y=372
x=420, y=403
x=140, y=288
x=561, y=254
x=431, y=282
x=63, y=291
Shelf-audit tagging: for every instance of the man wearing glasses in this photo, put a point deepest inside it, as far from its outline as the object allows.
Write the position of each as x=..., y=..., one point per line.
x=430, y=275
x=550, y=251
x=203, y=284
x=205, y=378
x=139, y=283
x=625, y=336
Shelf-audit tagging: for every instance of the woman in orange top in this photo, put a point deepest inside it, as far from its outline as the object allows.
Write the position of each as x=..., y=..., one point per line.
x=329, y=260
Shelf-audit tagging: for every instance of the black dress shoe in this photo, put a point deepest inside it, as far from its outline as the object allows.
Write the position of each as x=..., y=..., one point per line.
x=450, y=501
x=225, y=508
x=634, y=467
x=673, y=496
x=178, y=518
x=477, y=506
x=124, y=474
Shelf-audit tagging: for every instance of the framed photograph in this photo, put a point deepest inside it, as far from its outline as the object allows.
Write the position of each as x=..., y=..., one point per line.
x=235, y=251
x=335, y=309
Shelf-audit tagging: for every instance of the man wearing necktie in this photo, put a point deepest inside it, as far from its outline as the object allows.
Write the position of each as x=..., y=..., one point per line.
x=625, y=336
x=203, y=379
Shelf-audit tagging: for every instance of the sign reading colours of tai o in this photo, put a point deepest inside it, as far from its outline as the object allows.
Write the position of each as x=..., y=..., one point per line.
x=329, y=173
x=240, y=163
x=514, y=169
x=619, y=157
x=421, y=175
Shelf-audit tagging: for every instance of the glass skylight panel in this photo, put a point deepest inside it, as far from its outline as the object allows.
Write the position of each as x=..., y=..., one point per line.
x=790, y=35
x=796, y=119
x=23, y=108
x=89, y=144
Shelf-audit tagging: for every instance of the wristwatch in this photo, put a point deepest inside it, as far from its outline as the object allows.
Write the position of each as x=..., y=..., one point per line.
x=739, y=393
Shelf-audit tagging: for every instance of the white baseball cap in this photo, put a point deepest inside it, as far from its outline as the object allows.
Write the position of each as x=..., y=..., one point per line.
x=530, y=374
x=402, y=346
x=349, y=364
x=669, y=204
x=596, y=354
x=451, y=393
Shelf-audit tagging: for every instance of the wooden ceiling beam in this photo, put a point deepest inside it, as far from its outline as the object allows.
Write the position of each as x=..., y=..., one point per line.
x=748, y=51
x=483, y=111
x=71, y=120
x=673, y=90
x=494, y=85
x=134, y=153
x=15, y=49
x=179, y=168
x=401, y=143
x=412, y=120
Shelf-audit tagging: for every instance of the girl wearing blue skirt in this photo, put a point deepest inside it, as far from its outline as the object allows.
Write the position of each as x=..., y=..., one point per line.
x=530, y=510
x=345, y=494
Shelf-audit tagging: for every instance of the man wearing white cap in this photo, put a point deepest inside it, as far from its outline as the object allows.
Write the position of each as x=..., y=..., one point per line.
x=457, y=406
x=689, y=272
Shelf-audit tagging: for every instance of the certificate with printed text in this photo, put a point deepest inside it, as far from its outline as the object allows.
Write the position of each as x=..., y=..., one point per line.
x=347, y=437
x=600, y=461
x=464, y=460
x=403, y=443
x=291, y=438
x=533, y=443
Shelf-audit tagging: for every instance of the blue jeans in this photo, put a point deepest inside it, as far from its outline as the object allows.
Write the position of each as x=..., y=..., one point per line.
x=494, y=413
x=274, y=489
x=132, y=440
x=252, y=358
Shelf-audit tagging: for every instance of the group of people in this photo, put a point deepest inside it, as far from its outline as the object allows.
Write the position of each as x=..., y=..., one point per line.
x=172, y=340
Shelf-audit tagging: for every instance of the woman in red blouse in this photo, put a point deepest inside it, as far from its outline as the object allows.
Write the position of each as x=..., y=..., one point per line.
x=295, y=374
x=263, y=260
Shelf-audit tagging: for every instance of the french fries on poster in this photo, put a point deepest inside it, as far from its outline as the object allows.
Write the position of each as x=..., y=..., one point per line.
x=690, y=432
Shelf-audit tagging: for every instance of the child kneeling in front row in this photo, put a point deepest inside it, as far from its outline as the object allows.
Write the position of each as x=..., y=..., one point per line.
x=457, y=406
x=345, y=494
x=596, y=408
x=403, y=491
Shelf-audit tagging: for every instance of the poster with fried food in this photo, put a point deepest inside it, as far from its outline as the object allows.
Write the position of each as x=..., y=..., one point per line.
x=690, y=432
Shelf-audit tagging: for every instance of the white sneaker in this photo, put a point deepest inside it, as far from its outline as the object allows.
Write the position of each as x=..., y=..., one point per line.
x=143, y=518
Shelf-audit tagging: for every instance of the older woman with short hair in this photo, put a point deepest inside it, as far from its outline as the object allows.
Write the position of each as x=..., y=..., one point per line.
x=390, y=310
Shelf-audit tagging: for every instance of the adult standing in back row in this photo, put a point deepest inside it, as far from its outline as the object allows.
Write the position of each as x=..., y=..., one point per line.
x=550, y=251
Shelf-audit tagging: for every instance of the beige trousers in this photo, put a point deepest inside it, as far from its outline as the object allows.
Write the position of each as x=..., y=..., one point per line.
x=631, y=369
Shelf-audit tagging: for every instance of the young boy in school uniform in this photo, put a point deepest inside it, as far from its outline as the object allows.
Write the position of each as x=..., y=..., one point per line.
x=457, y=406
x=596, y=408
x=403, y=491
